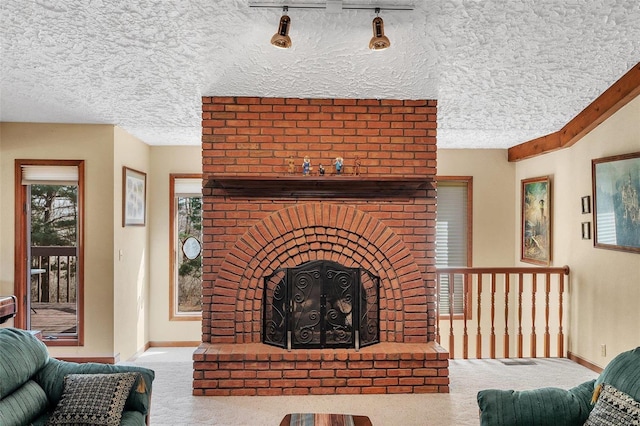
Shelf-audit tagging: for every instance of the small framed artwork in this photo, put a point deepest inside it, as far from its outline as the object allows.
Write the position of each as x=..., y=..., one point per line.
x=536, y=221
x=134, y=197
x=616, y=202
x=586, y=230
x=586, y=204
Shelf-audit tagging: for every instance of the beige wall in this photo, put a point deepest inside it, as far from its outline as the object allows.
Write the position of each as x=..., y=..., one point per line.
x=166, y=160
x=605, y=284
x=131, y=270
x=116, y=290
x=127, y=301
x=3, y=206
x=5, y=285
x=92, y=143
x=493, y=200
x=121, y=296
x=493, y=227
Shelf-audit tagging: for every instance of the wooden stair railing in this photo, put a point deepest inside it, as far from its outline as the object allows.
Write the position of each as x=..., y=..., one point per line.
x=516, y=310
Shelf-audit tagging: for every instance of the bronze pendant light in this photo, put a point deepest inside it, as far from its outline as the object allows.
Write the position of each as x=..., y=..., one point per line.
x=379, y=41
x=281, y=39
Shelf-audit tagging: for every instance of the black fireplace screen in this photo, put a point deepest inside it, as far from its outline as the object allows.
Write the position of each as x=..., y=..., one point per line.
x=321, y=304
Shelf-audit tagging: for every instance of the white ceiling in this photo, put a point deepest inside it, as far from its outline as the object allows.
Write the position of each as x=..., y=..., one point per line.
x=503, y=72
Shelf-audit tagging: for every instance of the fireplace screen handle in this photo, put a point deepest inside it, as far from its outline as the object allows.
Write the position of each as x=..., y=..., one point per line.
x=289, y=340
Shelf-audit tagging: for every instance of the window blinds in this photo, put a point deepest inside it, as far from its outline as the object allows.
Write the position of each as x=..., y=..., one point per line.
x=451, y=239
x=187, y=187
x=49, y=175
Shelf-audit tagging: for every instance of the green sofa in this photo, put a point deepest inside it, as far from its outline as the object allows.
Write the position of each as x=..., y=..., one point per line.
x=32, y=386
x=554, y=406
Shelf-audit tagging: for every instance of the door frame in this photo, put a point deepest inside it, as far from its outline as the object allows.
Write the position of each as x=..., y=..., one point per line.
x=21, y=272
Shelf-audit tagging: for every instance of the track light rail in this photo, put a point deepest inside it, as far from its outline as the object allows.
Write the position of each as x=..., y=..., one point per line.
x=345, y=6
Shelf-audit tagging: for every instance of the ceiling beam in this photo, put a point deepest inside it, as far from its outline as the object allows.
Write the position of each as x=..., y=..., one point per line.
x=608, y=103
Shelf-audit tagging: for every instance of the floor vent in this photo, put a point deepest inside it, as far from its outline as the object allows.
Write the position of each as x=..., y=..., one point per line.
x=517, y=362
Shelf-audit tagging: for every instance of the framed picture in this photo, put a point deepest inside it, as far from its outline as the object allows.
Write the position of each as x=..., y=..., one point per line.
x=586, y=230
x=134, y=197
x=586, y=204
x=536, y=221
x=616, y=203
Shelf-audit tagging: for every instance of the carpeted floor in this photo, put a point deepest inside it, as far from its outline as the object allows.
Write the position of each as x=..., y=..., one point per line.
x=173, y=404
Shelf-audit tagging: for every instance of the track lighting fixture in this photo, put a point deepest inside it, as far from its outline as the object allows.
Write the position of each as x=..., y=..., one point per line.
x=281, y=39
x=379, y=41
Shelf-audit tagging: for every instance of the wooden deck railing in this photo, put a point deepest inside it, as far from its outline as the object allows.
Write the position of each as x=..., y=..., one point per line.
x=512, y=302
x=53, y=274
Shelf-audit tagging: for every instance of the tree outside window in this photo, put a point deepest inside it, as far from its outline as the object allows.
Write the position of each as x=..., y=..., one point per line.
x=185, y=239
x=189, y=258
x=54, y=216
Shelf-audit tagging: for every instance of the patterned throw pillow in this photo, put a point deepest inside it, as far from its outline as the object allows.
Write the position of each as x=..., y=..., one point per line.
x=95, y=399
x=614, y=408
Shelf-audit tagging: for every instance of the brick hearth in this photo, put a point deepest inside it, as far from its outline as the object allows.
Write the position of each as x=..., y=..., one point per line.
x=249, y=235
x=257, y=369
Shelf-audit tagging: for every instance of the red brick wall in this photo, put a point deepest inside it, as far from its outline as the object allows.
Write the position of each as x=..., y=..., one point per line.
x=247, y=238
x=222, y=370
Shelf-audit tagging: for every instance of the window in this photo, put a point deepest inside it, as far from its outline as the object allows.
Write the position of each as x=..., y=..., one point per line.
x=185, y=240
x=50, y=217
x=453, y=237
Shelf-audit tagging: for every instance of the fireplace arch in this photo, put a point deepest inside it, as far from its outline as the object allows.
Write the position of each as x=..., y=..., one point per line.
x=318, y=231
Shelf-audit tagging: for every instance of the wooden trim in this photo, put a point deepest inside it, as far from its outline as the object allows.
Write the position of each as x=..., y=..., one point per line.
x=140, y=352
x=467, y=313
x=20, y=248
x=533, y=273
x=172, y=236
x=185, y=317
x=469, y=180
x=80, y=254
x=321, y=186
x=510, y=270
x=172, y=247
x=583, y=362
x=60, y=340
x=104, y=359
x=534, y=147
x=608, y=103
x=175, y=344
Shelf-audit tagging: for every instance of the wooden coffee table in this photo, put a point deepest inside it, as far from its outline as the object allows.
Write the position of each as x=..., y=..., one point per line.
x=324, y=419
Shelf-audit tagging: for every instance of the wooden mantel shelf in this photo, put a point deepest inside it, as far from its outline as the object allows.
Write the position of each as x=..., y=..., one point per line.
x=322, y=186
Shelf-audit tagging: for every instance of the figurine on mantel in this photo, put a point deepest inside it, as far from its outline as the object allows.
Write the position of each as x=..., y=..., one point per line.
x=306, y=166
x=321, y=170
x=338, y=163
x=358, y=162
x=292, y=165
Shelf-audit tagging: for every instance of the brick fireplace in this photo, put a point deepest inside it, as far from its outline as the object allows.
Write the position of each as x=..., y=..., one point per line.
x=260, y=214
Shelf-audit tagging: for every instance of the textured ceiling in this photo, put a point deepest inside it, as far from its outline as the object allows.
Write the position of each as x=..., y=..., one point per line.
x=502, y=72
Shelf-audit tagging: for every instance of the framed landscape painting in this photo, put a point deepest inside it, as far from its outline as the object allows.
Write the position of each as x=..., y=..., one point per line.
x=616, y=205
x=536, y=221
x=134, y=194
